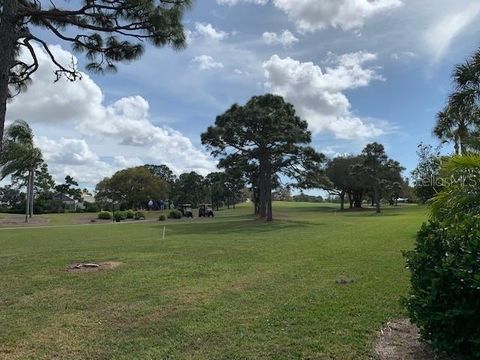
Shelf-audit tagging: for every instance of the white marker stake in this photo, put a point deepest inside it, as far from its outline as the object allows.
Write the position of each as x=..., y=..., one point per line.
x=163, y=236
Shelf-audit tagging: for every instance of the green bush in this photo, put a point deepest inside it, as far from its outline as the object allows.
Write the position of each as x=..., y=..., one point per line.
x=91, y=208
x=162, y=217
x=140, y=215
x=122, y=214
x=130, y=214
x=444, y=301
x=105, y=215
x=119, y=216
x=175, y=214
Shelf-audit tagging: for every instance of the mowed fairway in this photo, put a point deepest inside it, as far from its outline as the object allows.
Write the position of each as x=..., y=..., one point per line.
x=228, y=288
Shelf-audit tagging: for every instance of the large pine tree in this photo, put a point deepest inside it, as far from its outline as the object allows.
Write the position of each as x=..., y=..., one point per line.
x=266, y=138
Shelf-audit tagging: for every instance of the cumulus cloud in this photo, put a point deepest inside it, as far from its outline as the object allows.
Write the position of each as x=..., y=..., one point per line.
x=75, y=158
x=319, y=95
x=209, y=32
x=285, y=38
x=80, y=105
x=206, y=62
x=312, y=15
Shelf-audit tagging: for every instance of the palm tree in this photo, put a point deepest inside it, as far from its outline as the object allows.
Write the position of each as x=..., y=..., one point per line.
x=454, y=125
x=462, y=114
x=467, y=76
x=20, y=158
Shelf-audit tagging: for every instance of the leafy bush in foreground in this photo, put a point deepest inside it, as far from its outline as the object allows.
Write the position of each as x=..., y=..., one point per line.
x=162, y=217
x=445, y=275
x=105, y=215
x=175, y=214
x=130, y=214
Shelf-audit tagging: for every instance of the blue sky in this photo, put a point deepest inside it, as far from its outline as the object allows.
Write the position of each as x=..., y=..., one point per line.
x=357, y=71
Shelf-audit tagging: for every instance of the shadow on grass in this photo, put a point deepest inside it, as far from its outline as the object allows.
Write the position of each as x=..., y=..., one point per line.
x=234, y=227
x=365, y=212
x=310, y=209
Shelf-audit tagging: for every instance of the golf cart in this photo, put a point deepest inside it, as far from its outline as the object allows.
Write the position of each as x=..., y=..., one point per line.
x=186, y=210
x=205, y=210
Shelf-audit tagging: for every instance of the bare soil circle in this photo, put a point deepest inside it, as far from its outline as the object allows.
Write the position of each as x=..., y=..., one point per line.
x=93, y=266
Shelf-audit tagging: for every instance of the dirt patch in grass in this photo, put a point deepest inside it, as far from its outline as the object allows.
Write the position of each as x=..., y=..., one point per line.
x=93, y=266
x=19, y=220
x=400, y=340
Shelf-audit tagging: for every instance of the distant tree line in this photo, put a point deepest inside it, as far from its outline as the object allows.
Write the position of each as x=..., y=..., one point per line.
x=371, y=176
x=136, y=187
x=308, y=198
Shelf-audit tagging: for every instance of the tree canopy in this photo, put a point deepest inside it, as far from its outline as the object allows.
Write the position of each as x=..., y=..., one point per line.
x=372, y=173
x=132, y=188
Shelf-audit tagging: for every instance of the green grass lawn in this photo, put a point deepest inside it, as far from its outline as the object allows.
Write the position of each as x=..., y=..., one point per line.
x=228, y=288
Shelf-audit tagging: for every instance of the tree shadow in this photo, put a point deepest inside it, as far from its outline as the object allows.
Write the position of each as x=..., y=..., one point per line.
x=237, y=227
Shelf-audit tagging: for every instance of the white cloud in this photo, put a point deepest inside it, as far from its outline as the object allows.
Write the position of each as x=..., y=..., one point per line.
x=209, y=32
x=440, y=35
x=312, y=15
x=403, y=55
x=49, y=101
x=75, y=158
x=319, y=95
x=123, y=162
x=206, y=62
x=235, y=2
x=285, y=38
x=125, y=125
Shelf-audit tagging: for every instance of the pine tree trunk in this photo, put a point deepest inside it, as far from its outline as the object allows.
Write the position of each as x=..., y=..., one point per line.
x=32, y=181
x=350, y=200
x=342, y=201
x=27, y=198
x=377, y=201
x=269, y=192
x=262, y=189
x=8, y=38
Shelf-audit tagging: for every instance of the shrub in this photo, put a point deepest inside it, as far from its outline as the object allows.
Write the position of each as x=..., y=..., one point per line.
x=130, y=214
x=105, y=215
x=140, y=215
x=122, y=214
x=162, y=217
x=91, y=208
x=119, y=216
x=175, y=214
x=445, y=277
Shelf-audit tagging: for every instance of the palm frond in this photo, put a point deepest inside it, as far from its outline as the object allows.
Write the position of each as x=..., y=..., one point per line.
x=461, y=192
